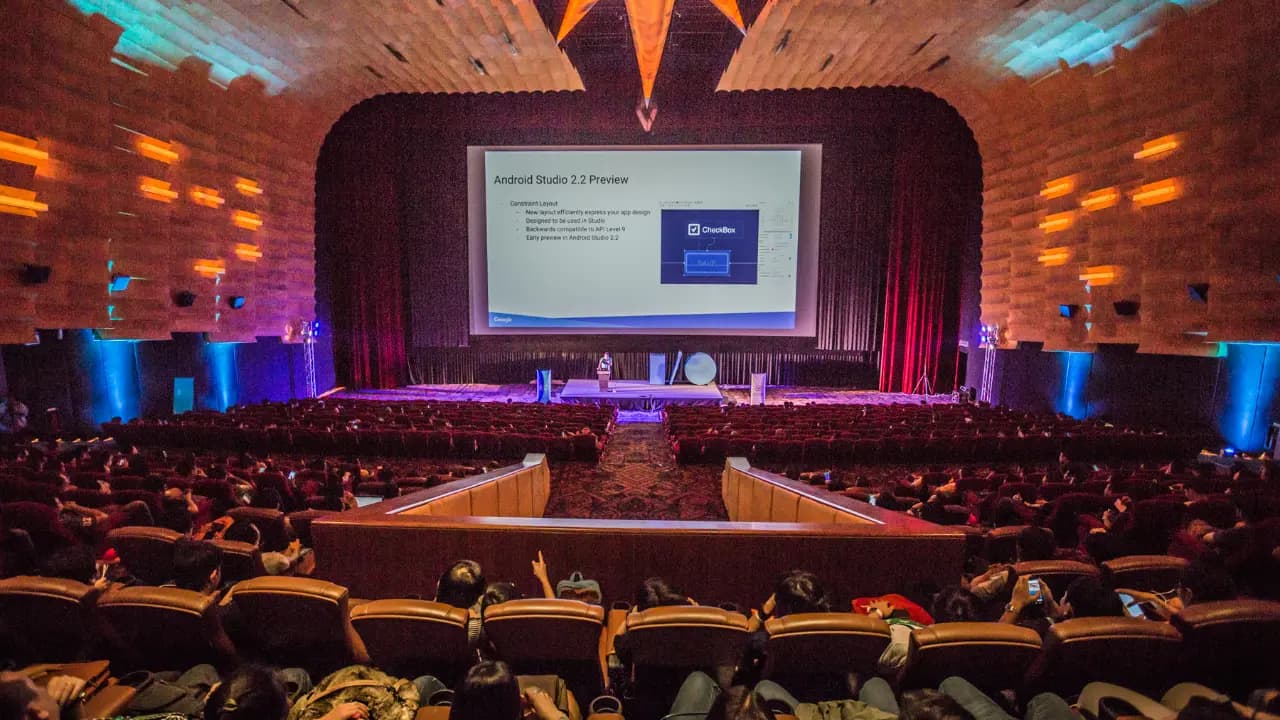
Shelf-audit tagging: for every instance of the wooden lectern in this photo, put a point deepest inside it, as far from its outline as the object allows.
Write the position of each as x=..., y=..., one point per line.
x=603, y=377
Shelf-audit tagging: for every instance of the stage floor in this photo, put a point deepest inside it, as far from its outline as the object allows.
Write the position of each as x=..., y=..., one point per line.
x=638, y=394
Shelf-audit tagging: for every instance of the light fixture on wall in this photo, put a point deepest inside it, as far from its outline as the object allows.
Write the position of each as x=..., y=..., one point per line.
x=1100, y=274
x=1161, y=191
x=16, y=148
x=1068, y=311
x=154, y=149
x=1054, y=257
x=248, y=252
x=16, y=201
x=246, y=220
x=1057, y=222
x=119, y=282
x=1059, y=187
x=1157, y=147
x=154, y=189
x=1198, y=291
x=1101, y=199
x=235, y=302
x=206, y=196
x=248, y=187
x=210, y=268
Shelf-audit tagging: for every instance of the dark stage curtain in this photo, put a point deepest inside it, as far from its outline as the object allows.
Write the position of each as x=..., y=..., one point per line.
x=932, y=216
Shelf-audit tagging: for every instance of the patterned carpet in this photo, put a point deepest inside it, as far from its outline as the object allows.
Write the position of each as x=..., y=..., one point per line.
x=637, y=479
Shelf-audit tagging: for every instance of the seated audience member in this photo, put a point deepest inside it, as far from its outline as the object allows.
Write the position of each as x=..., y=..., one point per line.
x=796, y=592
x=284, y=562
x=21, y=699
x=489, y=691
x=1084, y=597
x=955, y=604
x=76, y=562
x=544, y=580
x=462, y=586
x=653, y=592
x=973, y=703
x=178, y=510
x=17, y=552
x=1204, y=580
x=253, y=692
x=929, y=704
x=197, y=566
x=1036, y=543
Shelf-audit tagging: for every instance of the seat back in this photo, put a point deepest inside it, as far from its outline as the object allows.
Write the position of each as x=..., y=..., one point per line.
x=1002, y=543
x=1151, y=573
x=270, y=524
x=294, y=622
x=146, y=551
x=160, y=628
x=544, y=629
x=45, y=619
x=1057, y=573
x=686, y=637
x=1230, y=645
x=811, y=654
x=240, y=561
x=992, y=656
x=1133, y=652
x=408, y=638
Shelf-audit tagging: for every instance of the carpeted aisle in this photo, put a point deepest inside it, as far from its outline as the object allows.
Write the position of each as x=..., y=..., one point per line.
x=637, y=479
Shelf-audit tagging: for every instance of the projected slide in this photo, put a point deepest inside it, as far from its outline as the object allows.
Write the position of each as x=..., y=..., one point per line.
x=587, y=240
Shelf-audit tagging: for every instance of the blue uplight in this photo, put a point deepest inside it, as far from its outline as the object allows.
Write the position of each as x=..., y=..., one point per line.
x=1252, y=375
x=165, y=34
x=1075, y=368
x=113, y=371
x=224, y=380
x=1034, y=46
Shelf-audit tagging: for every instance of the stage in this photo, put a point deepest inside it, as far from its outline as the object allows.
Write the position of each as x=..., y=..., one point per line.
x=639, y=394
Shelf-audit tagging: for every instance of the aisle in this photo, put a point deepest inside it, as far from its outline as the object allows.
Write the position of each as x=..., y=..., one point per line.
x=637, y=479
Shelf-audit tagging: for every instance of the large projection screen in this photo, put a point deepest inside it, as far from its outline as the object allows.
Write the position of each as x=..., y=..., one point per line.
x=652, y=240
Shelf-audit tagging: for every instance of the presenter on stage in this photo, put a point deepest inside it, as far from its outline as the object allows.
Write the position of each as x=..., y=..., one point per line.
x=604, y=369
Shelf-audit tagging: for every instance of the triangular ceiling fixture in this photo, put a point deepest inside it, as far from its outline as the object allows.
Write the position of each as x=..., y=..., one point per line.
x=650, y=20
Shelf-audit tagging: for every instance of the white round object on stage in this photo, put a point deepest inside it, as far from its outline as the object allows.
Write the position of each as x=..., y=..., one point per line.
x=700, y=369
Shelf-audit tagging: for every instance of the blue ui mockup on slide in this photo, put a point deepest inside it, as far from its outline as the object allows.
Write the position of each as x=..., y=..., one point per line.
x=654, y=240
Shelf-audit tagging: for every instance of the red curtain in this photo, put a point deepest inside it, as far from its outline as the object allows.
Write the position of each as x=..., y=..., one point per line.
x=368, y=309
x=931, y=215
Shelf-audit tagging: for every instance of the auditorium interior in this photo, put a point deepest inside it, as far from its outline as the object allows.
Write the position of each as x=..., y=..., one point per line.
x=759, y=359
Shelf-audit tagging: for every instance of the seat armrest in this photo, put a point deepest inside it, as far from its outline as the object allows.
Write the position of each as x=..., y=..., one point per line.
x=614, y=621
x=108, y=702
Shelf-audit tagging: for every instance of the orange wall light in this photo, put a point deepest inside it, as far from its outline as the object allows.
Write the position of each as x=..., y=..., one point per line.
x=207, y=196
x=248, y=253
x=1157, y=192
x=210, y=268
x=1058, y=188
x=1100, y=199
x=153, y=189
x=1158, y=147
x=248, y=187
x=16, y=201
x=1054, y=257
x=150, y=147
x=1058, y=222
x=1100, y=274
x=16, y=148
x=246, y=220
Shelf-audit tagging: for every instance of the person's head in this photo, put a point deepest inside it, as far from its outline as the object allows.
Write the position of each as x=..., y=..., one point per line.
x=739, y=703
x=20, y=699
x=1088, y=597
x=496, y=593
x=174, y=514
x=461, y=585
x=251, y=692
x=245, y=532
x=1205, y=580
x=1036, y=543
x=197, y=565
x=954, y=604
x=489, y=691
x=799, y=592
x=75, y=562
x=930, y=705
x=655, y=592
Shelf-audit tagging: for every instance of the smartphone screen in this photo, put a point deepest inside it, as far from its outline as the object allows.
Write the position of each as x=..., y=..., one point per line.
x=1131, y=607
x=1033, y=589
x=873, y=499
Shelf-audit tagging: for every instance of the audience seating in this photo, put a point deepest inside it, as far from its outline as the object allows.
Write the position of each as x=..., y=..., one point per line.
x=686, y=637
x=1230, y=645
x=46, y=619
x=240, y=561
x=811, y=653
x=270, y=523
x=1058, y=574
x=1002, y=544
x=294, y=622
x=992, y=656
x=409, y=638
x=159, y=628
x=146, y=551
x=1133, y=652
x=1149, y=573
x=550, y=637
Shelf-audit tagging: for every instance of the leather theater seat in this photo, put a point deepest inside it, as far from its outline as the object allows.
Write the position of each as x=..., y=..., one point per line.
x=1150, y=573
x=294, y=622
x=992, y=656
x=46, y=620
x=157, y=629
x=1133, y=652
x=146, y=551
x=550, y=637
x=408, y=638
x=810, y=654
x=1230, y=645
